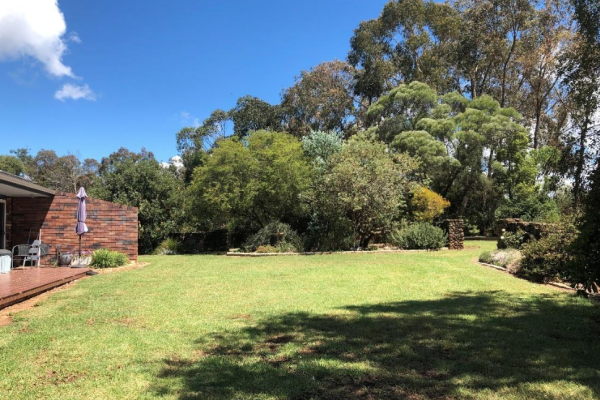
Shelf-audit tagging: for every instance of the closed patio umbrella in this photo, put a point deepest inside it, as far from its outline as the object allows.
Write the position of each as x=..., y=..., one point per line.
x=81, y=227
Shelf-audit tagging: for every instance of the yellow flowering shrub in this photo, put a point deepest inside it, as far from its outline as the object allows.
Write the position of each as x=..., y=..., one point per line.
x=427, y=204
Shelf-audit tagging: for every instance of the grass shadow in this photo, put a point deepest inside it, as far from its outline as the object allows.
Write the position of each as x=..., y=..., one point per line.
x=462, y=346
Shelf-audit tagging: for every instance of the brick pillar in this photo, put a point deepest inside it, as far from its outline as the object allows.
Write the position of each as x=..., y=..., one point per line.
x=456, y=233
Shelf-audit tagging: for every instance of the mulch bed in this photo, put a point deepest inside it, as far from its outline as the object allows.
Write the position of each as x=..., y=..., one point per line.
x=127, y=267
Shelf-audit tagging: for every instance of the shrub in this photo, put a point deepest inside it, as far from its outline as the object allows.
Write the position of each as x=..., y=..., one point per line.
x=420, y=235
x=329, y=234
x=512, y=240
x=105, y=258
x=277, y=235
x=546, y=259
x=584, y=271
x=486, y=257
x=320, y=146
x=266, y=249
x=286, y=247
x=364, y=185
x=427, y=204
x=508, y=258
x=168, y=247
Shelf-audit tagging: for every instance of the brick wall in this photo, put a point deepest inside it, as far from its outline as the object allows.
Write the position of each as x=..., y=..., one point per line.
x=110, y=225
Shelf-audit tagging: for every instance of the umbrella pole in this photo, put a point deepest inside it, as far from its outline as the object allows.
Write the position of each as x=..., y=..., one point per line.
x=80, y=247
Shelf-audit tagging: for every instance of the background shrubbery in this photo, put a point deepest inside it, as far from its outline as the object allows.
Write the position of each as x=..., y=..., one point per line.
x=549, y=257
x=168, y=247
x=276, y=237
x=512, y=240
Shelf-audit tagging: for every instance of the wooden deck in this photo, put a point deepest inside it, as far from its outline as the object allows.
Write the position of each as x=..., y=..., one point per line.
x=23, y=283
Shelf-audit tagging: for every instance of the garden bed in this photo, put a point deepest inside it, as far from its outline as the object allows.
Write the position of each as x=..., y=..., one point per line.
x=558, y=285
x=127, y=267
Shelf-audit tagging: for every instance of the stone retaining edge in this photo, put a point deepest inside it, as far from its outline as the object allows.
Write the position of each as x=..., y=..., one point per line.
x=320, y=253
x=555, y=284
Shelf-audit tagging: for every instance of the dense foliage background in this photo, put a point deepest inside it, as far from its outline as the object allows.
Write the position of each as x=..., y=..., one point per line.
x=476, y=109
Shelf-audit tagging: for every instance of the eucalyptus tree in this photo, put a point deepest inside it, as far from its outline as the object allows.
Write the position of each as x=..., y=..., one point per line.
x=411, y=40
x=582, y=79
x=253, y=114
x=249, y=114
x=509, y=49
x=321, y=99
x=401, y=109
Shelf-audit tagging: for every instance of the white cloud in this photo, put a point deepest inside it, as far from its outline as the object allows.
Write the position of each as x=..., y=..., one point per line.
x=75, y=92
x=74, y=37
x=34, y=28
x=188, y=119
x=175, y=161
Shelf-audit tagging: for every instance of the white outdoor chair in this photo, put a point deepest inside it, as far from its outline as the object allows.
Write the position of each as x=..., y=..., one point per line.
x=30, y=252
x=34, y=254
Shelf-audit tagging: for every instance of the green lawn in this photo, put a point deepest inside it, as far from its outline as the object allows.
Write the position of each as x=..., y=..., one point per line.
x=357, y=326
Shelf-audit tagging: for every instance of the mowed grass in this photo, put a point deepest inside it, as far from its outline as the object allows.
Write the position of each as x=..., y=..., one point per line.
x=357, y=326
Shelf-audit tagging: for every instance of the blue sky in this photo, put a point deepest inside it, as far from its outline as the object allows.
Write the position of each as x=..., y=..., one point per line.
x=147, y=63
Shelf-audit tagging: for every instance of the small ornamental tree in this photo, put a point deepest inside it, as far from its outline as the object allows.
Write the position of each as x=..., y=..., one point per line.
x=365, y=185
x=427, y=204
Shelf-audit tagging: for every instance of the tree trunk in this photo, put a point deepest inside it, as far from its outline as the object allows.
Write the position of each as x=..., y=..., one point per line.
x=580, y=162
x=537, y=128
x=450, y=182
x=505, y=67
x=364, y=241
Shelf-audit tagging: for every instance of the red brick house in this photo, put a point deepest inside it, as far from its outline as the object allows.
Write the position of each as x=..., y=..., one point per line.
x=27, y=209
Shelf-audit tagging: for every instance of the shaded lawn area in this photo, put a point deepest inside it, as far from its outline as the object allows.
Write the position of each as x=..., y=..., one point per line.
x=373, y=326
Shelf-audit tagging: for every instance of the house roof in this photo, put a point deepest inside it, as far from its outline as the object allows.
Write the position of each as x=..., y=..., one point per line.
x=15, y=186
